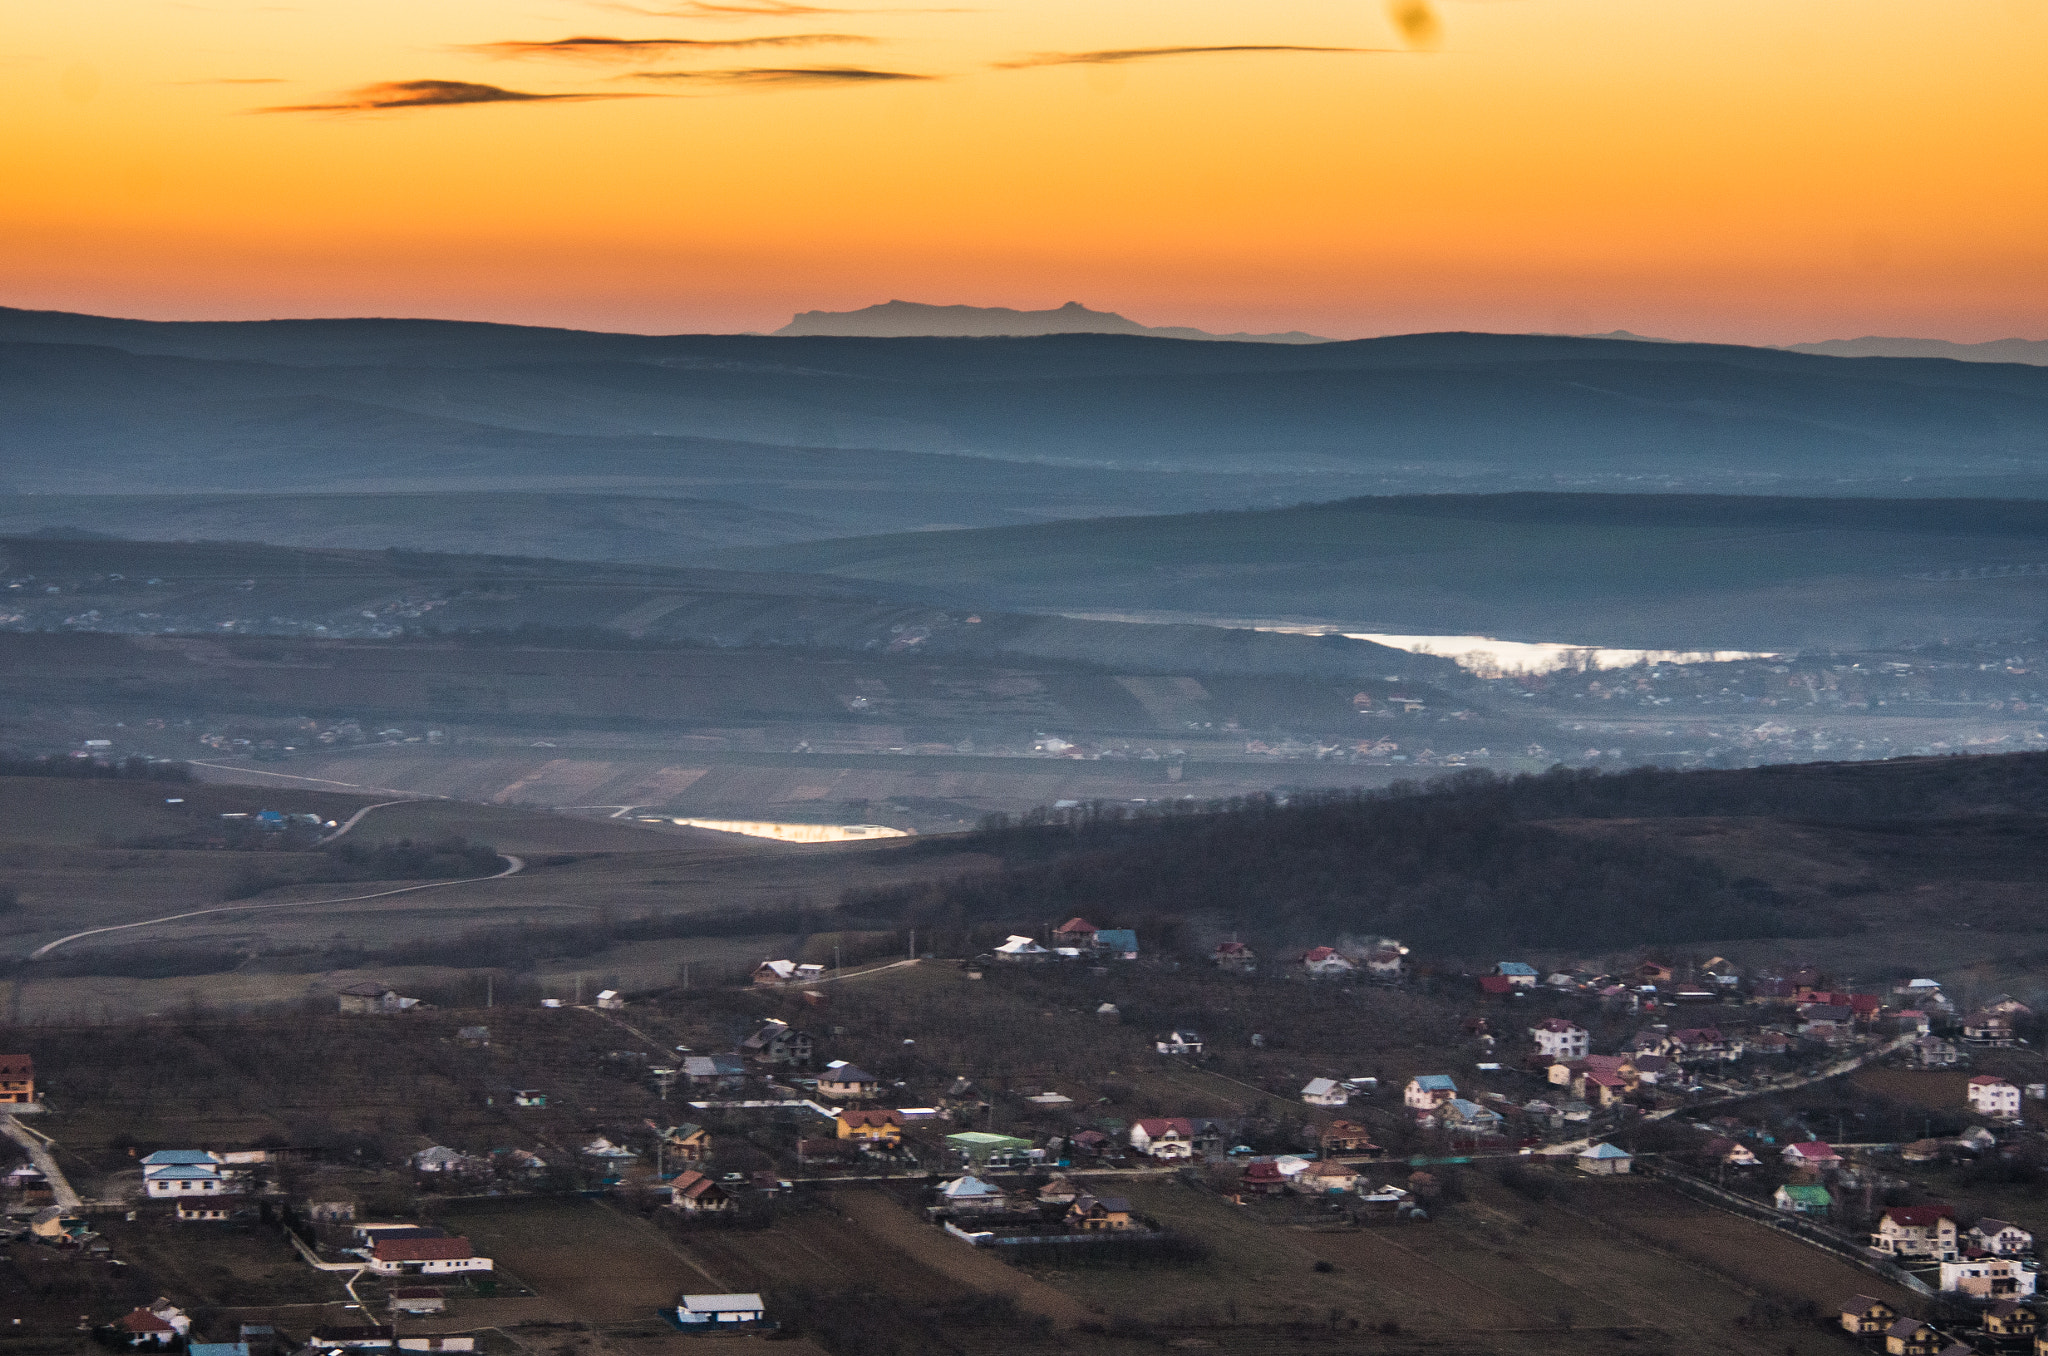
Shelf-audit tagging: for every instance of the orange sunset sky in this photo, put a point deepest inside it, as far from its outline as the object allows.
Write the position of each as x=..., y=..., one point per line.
x=1749, y=170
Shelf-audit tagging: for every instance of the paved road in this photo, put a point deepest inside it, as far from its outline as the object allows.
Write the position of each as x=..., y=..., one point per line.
x=1835, y=1070
x=357, y=817
x=513, y=866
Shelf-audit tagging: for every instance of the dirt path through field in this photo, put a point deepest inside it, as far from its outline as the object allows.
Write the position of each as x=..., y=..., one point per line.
x=891, y=1224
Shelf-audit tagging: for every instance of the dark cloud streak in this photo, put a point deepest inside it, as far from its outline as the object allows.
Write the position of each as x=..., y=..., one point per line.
x=400, y=94
x=641, y=49
x=1124, y=54
x=771, y=75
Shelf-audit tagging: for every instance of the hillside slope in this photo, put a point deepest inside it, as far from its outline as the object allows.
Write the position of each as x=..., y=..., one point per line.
x=1662, y=571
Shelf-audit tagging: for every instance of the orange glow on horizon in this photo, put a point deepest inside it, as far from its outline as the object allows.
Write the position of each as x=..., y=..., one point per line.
x=1742, y=171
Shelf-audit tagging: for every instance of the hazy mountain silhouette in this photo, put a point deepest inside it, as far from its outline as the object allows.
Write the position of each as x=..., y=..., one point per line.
x=1871, y=346
x=915, y=319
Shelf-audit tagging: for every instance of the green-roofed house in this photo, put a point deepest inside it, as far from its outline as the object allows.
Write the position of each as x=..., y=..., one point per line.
x=979, y=1146
x=1797, y=1199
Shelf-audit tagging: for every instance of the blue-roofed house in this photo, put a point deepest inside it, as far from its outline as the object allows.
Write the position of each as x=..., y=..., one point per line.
x=1427, y=1092
x=1605, y=1160
x=217, y=1349
x=1117, y=943
x=181, y=1158
x=1460, y=1115
x=1517, y=974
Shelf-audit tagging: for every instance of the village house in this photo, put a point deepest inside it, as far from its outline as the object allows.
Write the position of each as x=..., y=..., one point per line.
x=1325, y=1092
x=423, y=1257
x=1076, y=932
x=1603, y=1090
x=1262, y=1177
x=1653, y=972
x=848, y=1082
x=1557, y=1039
x=693, y=1193
x=1932, y=1052
x=687, y=1143
x=1988, y=1277
x=1325, y=1177
x=1812, y=1154
x=1809, y=1198
x=1427, y=1092
x=1019, y=949
x=1116, y=944
x=158, y=1324
x=1729, y=1153
x=2000, y=1238
x=1703, y=1045
x=1234, y=956
x=776, y=1043
x=1518, y=974
x=1911, y=1337
x=871, y=1127
x=1867, y=1316
x=1604, y=1160
x=1094, y=1214
x=200, y=1210
x=1346, y=1137
x=969, y=1195
x=17, y=1080
x=1326, y=961
x=441, y=1158
x=1990, y=1095
x=2010, y=1318
x=375, y=1000
x=1920, y=1231
x=720, y=1311
x=1179, y=1042
x=1989, y=1029
x=175, y=1173
x=1460, y=1116
x=1164, y=1138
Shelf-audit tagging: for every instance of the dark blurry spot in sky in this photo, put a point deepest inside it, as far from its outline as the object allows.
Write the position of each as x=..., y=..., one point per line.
x=1420, y=28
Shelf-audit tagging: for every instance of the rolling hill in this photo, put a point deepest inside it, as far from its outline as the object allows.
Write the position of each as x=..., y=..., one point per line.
x=1658, y=571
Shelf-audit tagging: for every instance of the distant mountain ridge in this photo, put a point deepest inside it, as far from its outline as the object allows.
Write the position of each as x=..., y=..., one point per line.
x=919, y=320
x=2034, y=351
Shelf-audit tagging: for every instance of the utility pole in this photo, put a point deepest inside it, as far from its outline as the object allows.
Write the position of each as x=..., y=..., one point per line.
x=488, y=991
x=913, y=943
x=835, y=960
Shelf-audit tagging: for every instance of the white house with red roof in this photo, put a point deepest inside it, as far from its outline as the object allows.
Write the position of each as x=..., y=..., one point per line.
x=423, y=1257
x=1326, y=960
x=1164, y=1137
x=1992, y=1096
x=1075, y=932
x=1812, y=1154
x=1922, y=1231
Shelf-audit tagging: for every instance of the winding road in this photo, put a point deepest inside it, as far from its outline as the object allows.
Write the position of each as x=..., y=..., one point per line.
x=513, y=866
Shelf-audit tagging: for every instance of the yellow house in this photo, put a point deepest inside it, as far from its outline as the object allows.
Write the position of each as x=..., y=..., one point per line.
x=1092, y=1214
x=1911, y=1337
x=2010, y=1318
x=876, y=1127
x=686, y=1143
x=1867, y=1316
x=17, y=1079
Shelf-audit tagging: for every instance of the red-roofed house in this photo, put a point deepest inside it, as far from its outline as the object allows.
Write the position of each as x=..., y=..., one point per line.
x=1075, y=932
x=1326, y=960
x=1233, y=956
x=424, y=1257
x=1170, y=1137
x=1263, y=1177
x=1925, y=1231
x=147, y=1329
x=1811, y=1154
x=693, y=1193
